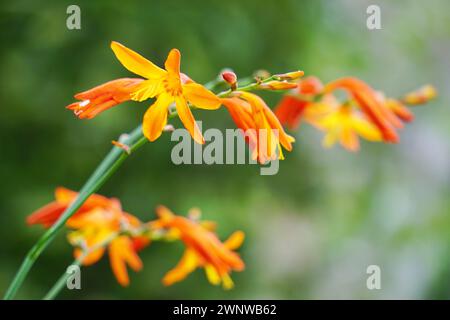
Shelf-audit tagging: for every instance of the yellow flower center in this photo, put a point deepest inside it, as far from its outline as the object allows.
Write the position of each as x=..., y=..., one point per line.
x=172, y=84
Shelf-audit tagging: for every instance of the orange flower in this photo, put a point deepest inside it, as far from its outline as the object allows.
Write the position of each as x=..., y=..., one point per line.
x=342, y=123
x=261, y=128
x=103, y=97
x=169, y=86
x=291, y=107
x=366, y=98
x=203, y=249
x=98, y=219
x=48, y=214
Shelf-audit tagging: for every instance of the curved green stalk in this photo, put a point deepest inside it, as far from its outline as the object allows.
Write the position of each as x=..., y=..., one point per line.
x=62, y=281
x=103, y=172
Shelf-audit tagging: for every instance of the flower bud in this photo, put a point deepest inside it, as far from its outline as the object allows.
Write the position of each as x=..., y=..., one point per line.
x=230, y=78
x=262, y=74
x=290, y=75
x=422, y=95
x=278, y=85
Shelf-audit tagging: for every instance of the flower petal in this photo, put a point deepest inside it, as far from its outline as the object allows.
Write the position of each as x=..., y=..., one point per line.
x=235, y=240
x=285, y=139
x=118, y=265
x=200, y=97
x=91, y=258
x=173, y=60
x=188, y=120
x=47, y=215
x=121, y=252
x=136, y=63
x=156, y=117
x=147, y=89
x=212, y=275
x=366, y=129
x=187, y=264
x=349, y=140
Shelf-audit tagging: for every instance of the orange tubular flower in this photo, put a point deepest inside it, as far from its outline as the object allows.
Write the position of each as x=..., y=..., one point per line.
x=98, y=219
x=203, y=249
x=169, y=86
x=262, y=129
x=366, y=98
x=103, y=97
x=290, y=109
x=48, y=214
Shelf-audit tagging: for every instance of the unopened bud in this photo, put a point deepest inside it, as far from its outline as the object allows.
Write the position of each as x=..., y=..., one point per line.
x=168, y=128
x=261, y=74
x=230, y=78
x=194, y=214
x=422, y=95
x=278, y=85
x=290, y=75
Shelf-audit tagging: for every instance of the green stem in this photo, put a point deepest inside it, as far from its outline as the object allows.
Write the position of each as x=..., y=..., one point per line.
x=103, y=172
x=62, y=281
x=249, y=87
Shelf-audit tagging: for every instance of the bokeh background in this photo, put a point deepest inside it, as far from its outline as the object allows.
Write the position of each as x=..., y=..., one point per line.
x=313, y=228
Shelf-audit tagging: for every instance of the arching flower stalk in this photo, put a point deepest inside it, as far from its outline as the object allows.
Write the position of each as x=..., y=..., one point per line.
x=99, y=225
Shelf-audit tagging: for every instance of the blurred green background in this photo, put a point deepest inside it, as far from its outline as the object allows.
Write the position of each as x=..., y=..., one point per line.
x=313, y=228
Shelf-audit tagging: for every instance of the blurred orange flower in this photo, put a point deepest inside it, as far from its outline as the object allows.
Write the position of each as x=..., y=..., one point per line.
x=98, y=220
x=48, y=214
x=342, y=123
x=290, y=109
x=261, y=128
x=367, y=100
x=367, y=113
x=203, y=249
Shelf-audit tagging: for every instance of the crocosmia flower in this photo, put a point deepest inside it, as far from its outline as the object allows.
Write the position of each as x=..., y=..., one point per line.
x=262, y=129
x=290, y=109
x=367, y=100
x=203, y=249
x=169, y=86
x=98, y=220
x=341, y=123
